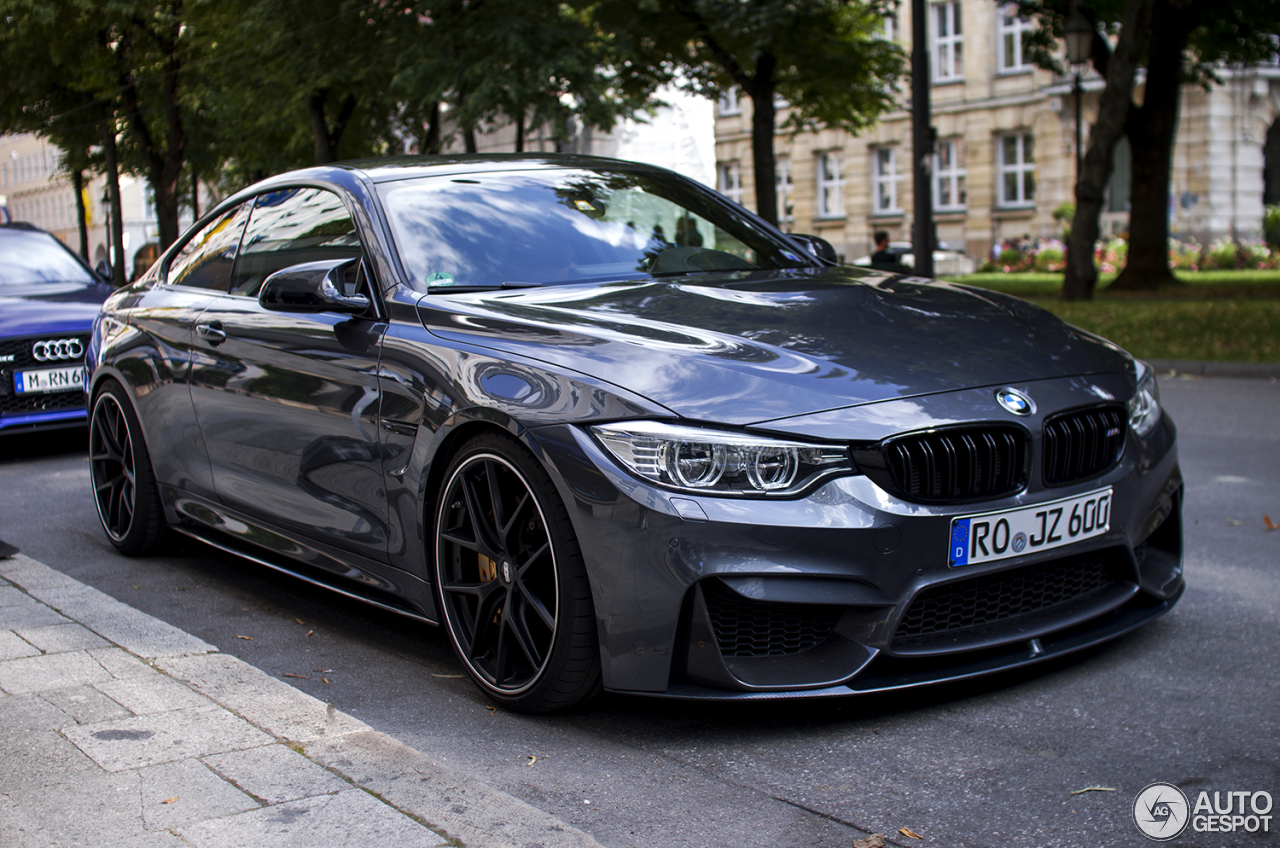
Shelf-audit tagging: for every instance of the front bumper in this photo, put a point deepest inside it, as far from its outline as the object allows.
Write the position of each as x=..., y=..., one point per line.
x=822, y=595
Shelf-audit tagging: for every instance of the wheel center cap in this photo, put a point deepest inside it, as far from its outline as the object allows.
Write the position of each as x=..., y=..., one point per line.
x=505, y=570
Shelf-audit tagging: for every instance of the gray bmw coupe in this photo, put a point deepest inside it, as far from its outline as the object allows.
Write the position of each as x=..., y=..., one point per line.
x=613, y=431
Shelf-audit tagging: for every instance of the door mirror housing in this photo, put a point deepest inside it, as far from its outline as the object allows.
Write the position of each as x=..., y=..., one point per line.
x=312, y=287
x=818, y=246
x=103, y=270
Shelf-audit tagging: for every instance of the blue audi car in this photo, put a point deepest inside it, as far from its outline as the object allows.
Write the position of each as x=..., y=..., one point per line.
x=48, y=300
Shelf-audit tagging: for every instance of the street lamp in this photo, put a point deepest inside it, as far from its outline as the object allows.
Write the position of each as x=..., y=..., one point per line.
x=1078, y=34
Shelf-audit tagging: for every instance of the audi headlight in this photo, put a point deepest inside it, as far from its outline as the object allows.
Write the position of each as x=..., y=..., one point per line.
x=717, y=462
x=1144, y=406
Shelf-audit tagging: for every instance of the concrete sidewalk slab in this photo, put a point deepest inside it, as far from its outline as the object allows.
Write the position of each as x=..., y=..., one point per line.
x=117, y=729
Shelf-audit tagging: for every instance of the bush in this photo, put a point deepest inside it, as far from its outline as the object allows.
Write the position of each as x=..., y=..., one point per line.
x=1271, y=225
x=1050, y=259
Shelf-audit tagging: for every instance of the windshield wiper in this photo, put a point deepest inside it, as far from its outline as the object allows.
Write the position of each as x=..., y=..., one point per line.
x=506, y=284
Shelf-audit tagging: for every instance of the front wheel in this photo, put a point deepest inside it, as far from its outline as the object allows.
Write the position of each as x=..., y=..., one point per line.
x=124, y=486
x=511, y=582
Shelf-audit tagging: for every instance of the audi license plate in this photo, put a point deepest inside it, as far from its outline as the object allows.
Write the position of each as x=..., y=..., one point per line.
x=988, y=536
x=68, y=379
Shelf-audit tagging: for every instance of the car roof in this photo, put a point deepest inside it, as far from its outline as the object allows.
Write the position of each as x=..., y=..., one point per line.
x=389, y=168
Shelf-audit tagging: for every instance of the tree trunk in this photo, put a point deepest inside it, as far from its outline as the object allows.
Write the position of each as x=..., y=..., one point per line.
x=1152, y=129
x=469, y=139
x=195, y=196
x=324, y=153
x=520, y=133
x=77, y=180
x=1081, y=275
x=763, y=115
x=431, y=139
x=115, y=238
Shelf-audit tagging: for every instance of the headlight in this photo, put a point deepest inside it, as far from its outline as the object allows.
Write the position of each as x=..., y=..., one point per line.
x=1144, y=406
x=717, y=462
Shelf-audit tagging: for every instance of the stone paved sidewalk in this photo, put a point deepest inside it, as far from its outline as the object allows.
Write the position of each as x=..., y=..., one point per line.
x=117, y=729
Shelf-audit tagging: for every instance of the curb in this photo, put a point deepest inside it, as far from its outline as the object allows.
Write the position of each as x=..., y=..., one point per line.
x=459, y=809
x=1201, y=368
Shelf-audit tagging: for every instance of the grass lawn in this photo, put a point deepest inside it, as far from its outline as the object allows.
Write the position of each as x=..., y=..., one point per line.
x=1214, y=315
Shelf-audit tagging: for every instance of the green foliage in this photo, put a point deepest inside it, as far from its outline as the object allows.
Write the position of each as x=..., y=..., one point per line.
x=1271, y=225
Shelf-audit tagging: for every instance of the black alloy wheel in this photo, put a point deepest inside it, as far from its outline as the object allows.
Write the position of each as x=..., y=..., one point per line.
x=512, y=585
x=124, y=486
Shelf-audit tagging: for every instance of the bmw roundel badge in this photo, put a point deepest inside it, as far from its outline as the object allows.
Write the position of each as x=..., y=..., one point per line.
x=1019, y=403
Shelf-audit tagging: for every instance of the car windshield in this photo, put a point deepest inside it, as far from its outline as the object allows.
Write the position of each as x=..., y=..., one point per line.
x=28, y=256
x=487, y=230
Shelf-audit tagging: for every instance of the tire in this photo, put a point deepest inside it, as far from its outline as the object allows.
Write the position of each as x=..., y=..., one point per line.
x=510, y=580
x=124, y=485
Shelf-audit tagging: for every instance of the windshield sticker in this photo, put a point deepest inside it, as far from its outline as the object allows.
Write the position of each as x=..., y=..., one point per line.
x=440, y=278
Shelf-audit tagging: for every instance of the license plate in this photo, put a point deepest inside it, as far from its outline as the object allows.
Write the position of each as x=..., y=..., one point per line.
x=47, y=380
x=988, y=536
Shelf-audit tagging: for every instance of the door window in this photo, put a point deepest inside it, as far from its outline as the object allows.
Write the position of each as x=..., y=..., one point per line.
x=206, y=260
x=289, y=227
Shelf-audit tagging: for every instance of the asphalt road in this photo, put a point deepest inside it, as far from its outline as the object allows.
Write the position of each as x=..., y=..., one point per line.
x=1192, y=699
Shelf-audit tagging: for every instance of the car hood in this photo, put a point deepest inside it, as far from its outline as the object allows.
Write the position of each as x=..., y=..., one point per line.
x=744, y=348
x=50, y=308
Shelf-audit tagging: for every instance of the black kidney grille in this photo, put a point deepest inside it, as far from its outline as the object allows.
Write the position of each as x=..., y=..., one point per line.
x=746, y=628
x=1003, y=595
x=960, y=464
x=1082, y=444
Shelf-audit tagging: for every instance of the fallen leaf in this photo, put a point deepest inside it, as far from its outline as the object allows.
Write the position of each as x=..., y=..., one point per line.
x=170, y=800
x=137, y=587
x=325, y=679
x=322, y=670
x=248, y=638
x=300, y=621
x=1231, y=522
x=906, y=831
x=299, y=676
x=875, y=840
x=492, y=710
x=309, y=632
x=1271, y=525
x=1093, y=789
x=449, y=676
x=532, y=760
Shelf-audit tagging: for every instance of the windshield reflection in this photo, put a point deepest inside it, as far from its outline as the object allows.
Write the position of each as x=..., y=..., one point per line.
x=561, y=226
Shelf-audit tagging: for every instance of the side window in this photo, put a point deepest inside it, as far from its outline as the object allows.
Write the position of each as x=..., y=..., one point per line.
x=206, y=260
x=289, y=227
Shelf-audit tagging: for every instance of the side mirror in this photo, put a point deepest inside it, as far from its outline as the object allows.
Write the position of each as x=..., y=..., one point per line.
x=818, y=246
x=312, y=287
x=103, y=270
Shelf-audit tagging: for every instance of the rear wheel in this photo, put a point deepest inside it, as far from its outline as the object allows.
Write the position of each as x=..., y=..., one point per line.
x=124, y=486
x=511, y=582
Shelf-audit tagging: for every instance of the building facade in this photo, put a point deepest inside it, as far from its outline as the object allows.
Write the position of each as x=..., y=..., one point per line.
x=1005, y=155
x=34, y=188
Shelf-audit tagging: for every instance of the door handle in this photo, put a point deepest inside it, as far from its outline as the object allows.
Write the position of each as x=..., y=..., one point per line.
x=212, y=332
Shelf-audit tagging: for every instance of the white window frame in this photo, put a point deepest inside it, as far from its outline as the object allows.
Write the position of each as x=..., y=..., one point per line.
x=946, y=32
x=830, y=185
x=1021, y=168
x=948, y=173
x=1011, y=35
x=729, y=180
x=890, y=29
x=786, y=191
x=728, y=103
x=885, y=177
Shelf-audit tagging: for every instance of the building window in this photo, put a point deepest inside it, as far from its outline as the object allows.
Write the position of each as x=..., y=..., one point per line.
x=830, y=186
x=1017, y=170
x=890, y=30
x=786, y=184
x=1012, y=32
x=948, y=42
x=885, y=180
x=948, y=178
x=729, y=181
x=728, y=103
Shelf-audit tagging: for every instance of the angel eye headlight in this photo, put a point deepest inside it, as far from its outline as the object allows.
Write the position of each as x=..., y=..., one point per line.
x=719, y=462
x=1144, y=406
